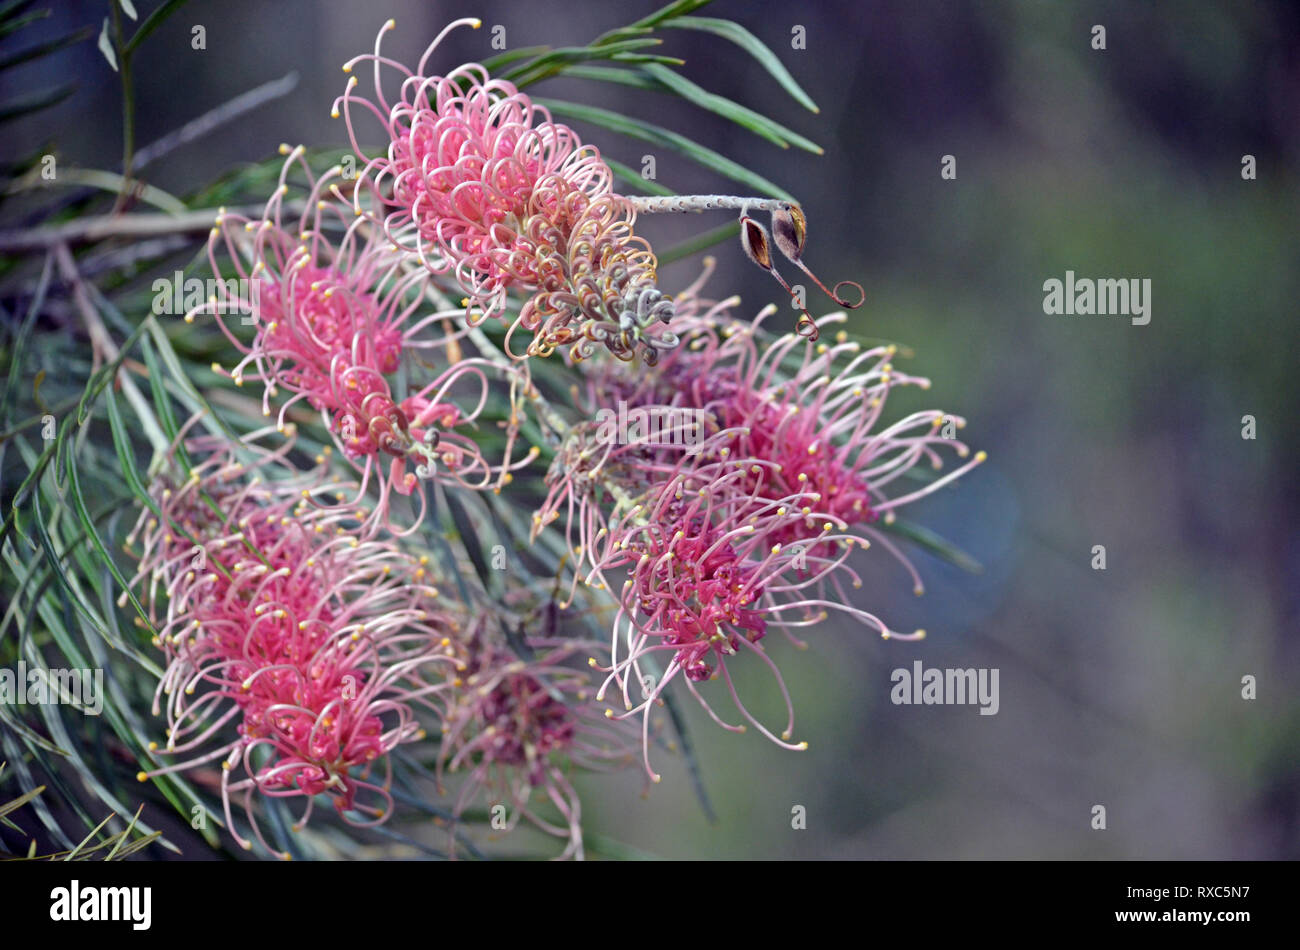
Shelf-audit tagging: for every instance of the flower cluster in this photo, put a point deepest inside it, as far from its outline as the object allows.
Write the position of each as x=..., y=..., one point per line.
x=316, y=646
x=519, y=725
x=753, y=521
x=479, y=181
x=332, y=318
x=716, y=482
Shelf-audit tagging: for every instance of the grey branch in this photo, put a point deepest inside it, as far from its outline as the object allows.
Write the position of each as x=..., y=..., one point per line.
x=698, y=203
x=214, y=119
x=90, y=230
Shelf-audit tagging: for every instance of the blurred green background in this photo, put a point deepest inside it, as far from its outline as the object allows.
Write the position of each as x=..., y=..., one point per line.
x=1119, y=687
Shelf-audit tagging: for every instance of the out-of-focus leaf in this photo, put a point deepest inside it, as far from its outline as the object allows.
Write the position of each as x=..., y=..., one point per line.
x=936, y=545
x=44, y=49
x=746, y=118
x=656, y=135
x=645, y=185
x=151, y=23
x=35, y=101
x=752, y=45
x=702, y=242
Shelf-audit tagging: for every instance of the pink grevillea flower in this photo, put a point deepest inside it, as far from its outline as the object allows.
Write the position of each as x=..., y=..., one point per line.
x=756, y=526
x=705, y=580
x=295, y=654
x=333, y=310
x=478, y=181
x=518, y=729
x=815, y=412
x=607, y=464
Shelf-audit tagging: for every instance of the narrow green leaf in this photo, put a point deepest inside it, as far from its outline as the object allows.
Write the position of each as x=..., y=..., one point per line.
x=752, y=45
x=86, y=841
x=24, y=333
x=74, y=487
x=674, y=10
x=618, y=850
x=15, y=7
x=125, y=457
x=19, y=802
x=746, y=118
x=626, y=77
x=657, y=135
x=125, y=834
x=688, y=754
x=44, y=49
x=16, y=24
x=645, y=185
x=493, y=63
x=162, y=403
x=554, y=62
x=701, y=242
x=151, y=23
x=659, y=78
x=35, y=102
x=935, y=544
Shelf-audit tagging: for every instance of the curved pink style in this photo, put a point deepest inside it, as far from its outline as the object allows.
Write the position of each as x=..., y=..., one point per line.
x=333, y=310
x=478, y=181
x=296, y=654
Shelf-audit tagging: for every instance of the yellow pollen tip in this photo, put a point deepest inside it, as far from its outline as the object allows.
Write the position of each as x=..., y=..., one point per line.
x=142, y=776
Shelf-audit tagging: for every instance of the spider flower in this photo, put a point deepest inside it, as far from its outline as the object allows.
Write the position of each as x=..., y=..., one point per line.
x=518, y=728
x=295, y=654
x=813, y=414
x=332, y=319
x=757, y=526
x=479, y=181
x=706, y=580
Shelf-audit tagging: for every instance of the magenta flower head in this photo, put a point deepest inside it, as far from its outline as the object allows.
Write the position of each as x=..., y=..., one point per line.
x=333, y=309
x=758, y=526
x=812, y=413
x=478, y=181
x=517, y=729
x=295, y=654
x=706, y=580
